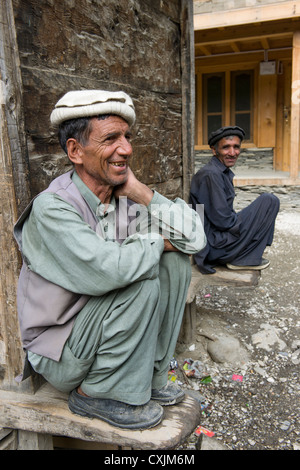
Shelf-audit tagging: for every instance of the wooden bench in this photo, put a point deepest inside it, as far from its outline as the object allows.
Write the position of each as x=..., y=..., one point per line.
x=46, y=414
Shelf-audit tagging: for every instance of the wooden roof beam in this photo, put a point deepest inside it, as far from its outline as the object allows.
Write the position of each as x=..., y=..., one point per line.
x=218, y=42
x=266, y=29
x=289, y=9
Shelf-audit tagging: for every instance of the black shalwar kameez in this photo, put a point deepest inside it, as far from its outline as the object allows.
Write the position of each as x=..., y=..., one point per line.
x=236, y=238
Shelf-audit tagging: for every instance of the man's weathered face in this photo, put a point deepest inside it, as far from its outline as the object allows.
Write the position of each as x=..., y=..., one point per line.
x=106, y=155
x=227, y=150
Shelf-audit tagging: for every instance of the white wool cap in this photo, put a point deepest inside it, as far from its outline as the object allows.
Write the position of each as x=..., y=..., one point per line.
x=86, y=103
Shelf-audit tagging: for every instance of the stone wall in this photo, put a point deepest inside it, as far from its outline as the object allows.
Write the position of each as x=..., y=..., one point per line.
x=249, y=159
x=133, y=45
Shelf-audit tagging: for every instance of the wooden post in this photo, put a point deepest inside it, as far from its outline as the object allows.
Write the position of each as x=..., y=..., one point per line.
x=12, y=99
x=295, y=108
x=188, y=95
x=10, y=346
x=13, y=179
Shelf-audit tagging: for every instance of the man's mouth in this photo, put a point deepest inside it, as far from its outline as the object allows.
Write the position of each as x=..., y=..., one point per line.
x=119, y=164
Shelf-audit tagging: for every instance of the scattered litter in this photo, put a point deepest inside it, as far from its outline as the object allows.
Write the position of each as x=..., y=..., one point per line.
x=173, y=363
x=202, y=430
x=207, y=295
x=193, y=369
x=206, y=409
x=172, y=376
x=206, y=380
x=237, y=378
x=192, y=347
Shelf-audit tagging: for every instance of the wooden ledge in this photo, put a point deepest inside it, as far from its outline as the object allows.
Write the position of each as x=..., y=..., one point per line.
x=222, y=277
x=47, y=412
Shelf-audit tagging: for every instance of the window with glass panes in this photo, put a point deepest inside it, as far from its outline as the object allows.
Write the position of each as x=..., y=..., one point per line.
x=238, y=94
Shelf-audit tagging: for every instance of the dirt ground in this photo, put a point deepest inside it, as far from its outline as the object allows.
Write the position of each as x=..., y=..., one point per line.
x=248, y=385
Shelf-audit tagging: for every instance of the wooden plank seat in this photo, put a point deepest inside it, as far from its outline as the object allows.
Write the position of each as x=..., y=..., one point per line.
x=222, y=277
x=46, y=413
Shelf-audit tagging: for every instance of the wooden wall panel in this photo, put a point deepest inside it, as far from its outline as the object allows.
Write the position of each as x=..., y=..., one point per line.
x=134, y=46
x=267, y=85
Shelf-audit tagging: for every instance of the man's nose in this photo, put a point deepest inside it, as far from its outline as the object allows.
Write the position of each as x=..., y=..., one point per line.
x=125, y=147
x=233, y=151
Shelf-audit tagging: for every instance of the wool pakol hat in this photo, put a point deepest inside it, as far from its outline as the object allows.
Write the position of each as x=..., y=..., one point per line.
x=225, y=132
x=87, y=103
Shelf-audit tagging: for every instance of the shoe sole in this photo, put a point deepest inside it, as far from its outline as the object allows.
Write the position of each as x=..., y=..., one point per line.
x=253, y=268
x=170, y=401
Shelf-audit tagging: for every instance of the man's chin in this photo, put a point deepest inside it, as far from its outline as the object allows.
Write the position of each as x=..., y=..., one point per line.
x=120, y=181
x=230, y=163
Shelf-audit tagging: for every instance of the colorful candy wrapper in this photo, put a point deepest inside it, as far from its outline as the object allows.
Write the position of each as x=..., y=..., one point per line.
x=237, y=378
x=202, y=430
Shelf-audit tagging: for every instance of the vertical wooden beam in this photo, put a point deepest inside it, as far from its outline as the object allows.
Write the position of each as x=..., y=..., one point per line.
x=199, y=106
x=267, y=111
x=188, y=95
x=295, y=108
x=13, y=189
x=10, y=344
x=28, y=440
x=227, y=100
x=12, y=92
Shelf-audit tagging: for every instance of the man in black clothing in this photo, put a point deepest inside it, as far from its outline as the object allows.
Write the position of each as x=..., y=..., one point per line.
x=236, y=240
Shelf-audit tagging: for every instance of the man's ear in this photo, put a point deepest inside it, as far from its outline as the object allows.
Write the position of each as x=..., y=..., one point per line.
x=74, y=151
x=214, y=151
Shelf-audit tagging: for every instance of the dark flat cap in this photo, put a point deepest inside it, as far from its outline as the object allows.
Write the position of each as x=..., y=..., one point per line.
x=225, y=132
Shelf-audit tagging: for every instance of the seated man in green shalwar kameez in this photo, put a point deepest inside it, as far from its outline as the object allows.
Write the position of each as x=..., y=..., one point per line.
x=105, y=270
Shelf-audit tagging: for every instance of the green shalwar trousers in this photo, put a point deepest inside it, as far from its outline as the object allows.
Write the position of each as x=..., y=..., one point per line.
x=122, y=342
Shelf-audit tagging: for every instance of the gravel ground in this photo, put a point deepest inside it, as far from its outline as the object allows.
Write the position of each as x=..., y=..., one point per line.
x=247, y=348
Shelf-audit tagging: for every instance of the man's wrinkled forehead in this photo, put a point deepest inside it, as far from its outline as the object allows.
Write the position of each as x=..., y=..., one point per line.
x=228, y=141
